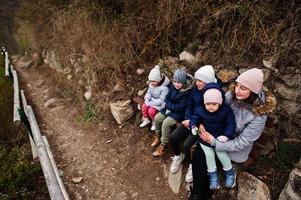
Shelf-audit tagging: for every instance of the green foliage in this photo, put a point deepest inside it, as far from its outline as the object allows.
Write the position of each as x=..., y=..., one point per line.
x=6, y=104
x=89, y=112
x=23, y=43
x=17, y=173
x=286, y=156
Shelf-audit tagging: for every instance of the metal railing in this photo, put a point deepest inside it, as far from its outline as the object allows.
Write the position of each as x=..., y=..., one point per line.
x=39, y=144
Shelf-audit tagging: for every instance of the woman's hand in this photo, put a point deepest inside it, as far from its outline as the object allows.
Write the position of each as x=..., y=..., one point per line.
x=207, y=137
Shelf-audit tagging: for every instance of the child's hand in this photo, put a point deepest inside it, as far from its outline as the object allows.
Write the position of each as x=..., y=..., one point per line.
x=147, y=97
x=194, y=130
x=186, y=122
x=222, y=138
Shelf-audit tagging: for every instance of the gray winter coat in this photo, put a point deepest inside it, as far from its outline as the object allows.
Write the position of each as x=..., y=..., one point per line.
x=155, y=96
x=250, y=122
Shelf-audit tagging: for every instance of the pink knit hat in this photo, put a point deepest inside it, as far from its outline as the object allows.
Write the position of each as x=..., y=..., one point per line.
x=252, y=79
x=213, y=96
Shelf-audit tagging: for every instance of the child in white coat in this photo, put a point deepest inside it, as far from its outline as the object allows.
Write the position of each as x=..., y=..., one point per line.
x=154, y=97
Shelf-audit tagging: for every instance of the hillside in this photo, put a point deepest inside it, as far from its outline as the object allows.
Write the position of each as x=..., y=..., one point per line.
x=98, y=47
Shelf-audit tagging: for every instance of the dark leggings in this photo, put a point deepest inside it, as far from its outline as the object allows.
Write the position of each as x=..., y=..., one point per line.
x=200, y=175
x=178, y=135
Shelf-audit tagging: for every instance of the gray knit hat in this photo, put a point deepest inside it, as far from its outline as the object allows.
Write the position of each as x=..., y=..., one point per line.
x=180, y=75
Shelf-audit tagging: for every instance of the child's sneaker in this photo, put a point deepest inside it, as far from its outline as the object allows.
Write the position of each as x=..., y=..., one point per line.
x=153, y=127
x=230, y=178
x=145, y=121
x=214, y=180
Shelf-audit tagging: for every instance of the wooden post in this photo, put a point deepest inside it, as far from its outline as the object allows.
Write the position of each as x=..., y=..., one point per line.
x=50, y=177
x=56, y=170
x=32, y=144
x=16, y=99
x=6, y=64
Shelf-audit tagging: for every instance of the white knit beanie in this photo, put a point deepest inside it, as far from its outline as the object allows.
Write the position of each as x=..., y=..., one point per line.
x=155, y=74
x=205, y=74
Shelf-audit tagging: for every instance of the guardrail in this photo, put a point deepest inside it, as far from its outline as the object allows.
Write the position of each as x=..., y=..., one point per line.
x=39, y=144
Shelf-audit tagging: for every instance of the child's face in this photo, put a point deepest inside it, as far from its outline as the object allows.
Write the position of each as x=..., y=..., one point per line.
x=211, y=107
x=200, y=84
x=154, y=83
x=177, y=85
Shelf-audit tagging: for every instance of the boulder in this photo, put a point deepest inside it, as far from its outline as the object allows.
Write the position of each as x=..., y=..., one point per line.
x=88, y=95
x=269, y=63
x=142, y=92
x=226, y=75
x=175, y=180
x=289, y=107
x=140, y=71
x=37, y=59
x=118, y=87
x=53, y=60
x=24, y=62
x=170, y=60
x=187, y=57
x=292, y=79
x=51, y=103
x=288, y=93
x=121, y=111
x=250, y=188
x=292, y=189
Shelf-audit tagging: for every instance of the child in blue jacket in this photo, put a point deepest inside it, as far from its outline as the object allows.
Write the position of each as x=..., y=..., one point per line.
x=217, y=118
x=173, y=109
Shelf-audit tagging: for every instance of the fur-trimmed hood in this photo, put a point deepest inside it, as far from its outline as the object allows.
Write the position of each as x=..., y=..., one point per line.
x=264, y=105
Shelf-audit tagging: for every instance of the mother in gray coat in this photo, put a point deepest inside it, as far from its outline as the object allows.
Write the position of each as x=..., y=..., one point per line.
x=250, y=102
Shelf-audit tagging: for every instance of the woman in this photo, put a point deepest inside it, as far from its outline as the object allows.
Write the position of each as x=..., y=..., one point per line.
x=202, y=76
x=250, y=102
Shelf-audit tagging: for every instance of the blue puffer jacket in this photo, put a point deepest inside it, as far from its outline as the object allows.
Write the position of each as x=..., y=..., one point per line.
x=221, y=122
x=175, y=101
x=195, y=100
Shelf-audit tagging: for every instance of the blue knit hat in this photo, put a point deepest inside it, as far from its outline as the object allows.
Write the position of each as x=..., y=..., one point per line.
x=180, y=75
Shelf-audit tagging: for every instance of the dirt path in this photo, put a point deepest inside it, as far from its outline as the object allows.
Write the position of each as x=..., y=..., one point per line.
x=119, y=170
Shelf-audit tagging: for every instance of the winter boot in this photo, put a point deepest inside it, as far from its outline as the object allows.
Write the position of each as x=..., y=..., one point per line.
x=214, y=180
x=160, y=151
x=156, y=141
x=230, y=178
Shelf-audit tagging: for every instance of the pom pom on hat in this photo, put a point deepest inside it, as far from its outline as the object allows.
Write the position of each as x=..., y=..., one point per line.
x=180, y=75
x=252, y=79
x=213, y=96
x=205, y=74
x=155, y=74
